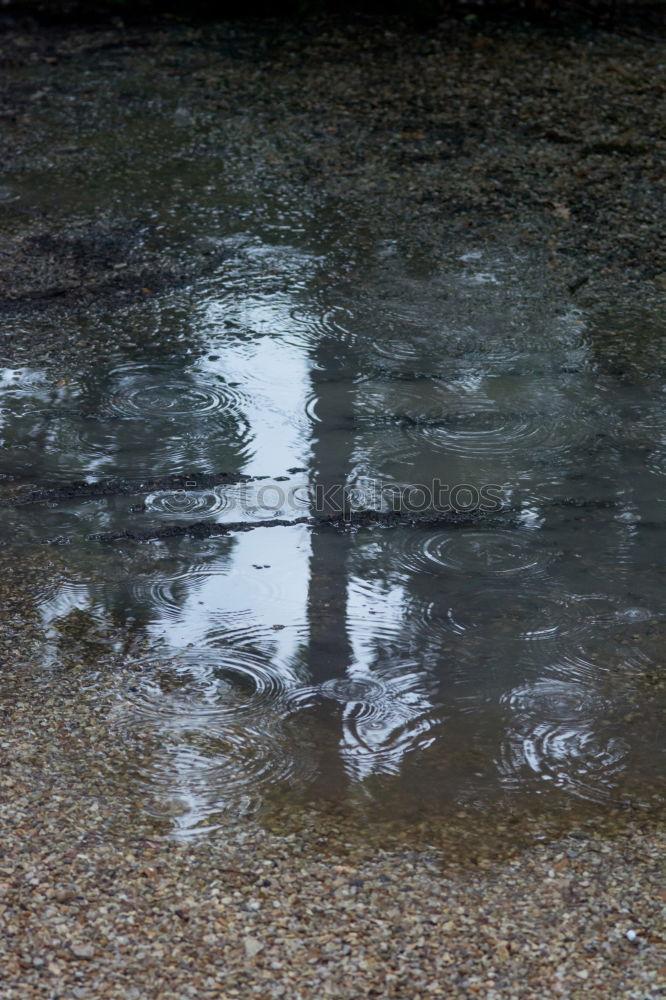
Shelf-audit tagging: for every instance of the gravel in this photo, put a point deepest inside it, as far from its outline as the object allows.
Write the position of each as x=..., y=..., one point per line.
x=552, y=140
x=94, y=904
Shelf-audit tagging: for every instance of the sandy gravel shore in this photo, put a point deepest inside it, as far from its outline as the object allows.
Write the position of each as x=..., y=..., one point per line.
x=555, y=139
x=93, y=903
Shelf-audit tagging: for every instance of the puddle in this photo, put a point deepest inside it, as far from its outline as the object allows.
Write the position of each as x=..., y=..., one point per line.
x=396, y=666
x=300, y=660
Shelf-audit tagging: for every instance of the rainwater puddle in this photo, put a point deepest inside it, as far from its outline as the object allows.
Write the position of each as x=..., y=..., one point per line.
x=484, y=621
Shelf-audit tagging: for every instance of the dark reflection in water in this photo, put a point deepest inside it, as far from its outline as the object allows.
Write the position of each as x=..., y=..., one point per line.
x=416, y=666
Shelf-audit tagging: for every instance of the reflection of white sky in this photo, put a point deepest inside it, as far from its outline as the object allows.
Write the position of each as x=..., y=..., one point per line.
x=390, y=603
x=378, y=743
x=232, y=593
x=274, y=377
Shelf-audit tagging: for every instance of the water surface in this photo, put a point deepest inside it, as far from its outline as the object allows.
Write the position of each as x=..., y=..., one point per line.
x=408, y=667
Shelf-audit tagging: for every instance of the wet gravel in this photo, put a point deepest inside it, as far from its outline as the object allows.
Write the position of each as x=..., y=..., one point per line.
x=550, y=141
x=440, y=139
x=95, y=903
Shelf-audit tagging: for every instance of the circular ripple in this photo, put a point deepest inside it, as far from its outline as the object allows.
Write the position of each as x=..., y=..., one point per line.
x=365, y=690
x=491, y=553
x=385, y=717
x=556, y=731
x=382, y=716
x=223, y=685
x=180, y=420
x=537, y=616
x=497, y=416
x=530, y=616
x=421, y=348
x=321, y=321
x=201, y=777
x=141, y=391
x=603, y=655
x=201, y=600
x=187, y=504
x=379, y=744
x=221, y=720
x=607, y=611
x=560, y=701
